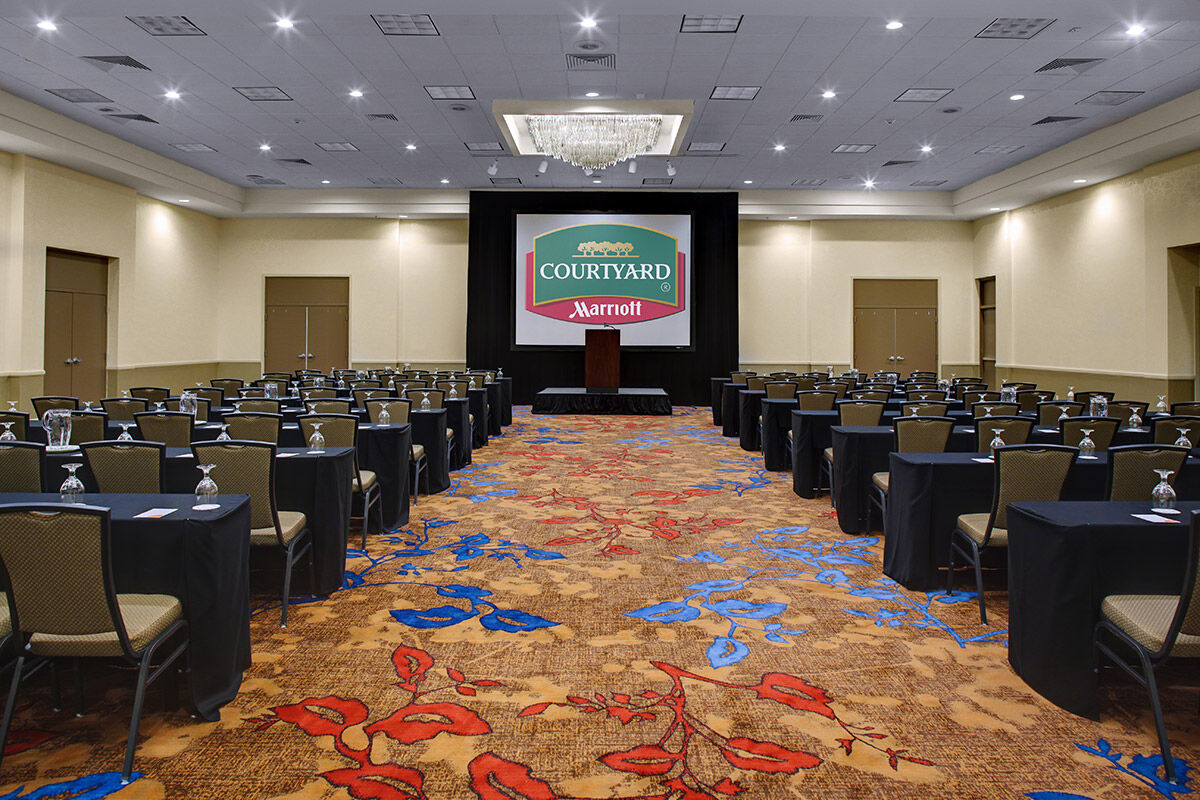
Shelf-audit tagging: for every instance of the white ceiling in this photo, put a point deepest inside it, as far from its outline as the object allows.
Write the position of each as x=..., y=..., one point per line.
x=334, y=48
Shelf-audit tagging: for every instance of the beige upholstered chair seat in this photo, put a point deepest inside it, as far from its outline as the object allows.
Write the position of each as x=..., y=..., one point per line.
x=975, y=526
x=881, y=479
x=828, y=453
x=471, y=418
x=145, y=617
x=789, y=435
x=418, y=452
x=449, y=434
x=1146, y=617
x=366, y=478
x=291, y=523
x=5, y=622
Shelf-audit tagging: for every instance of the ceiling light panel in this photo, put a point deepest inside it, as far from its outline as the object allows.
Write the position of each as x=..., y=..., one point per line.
x=506, y=181
x=386, y=181
x=710, y=23
x=706, y=147
x=1014, y=28
x=450, y=92
x=927, y=184
x=262, y=94
x=1109, y=98
x=484, y=147
x=922, y=95
x=405, y=24
x=734, y=92
x=998, y=149
x=854, y=148
x=336, y=147
x=657, y=181
x=167, y=26
x=194, y=147
x=79, y=95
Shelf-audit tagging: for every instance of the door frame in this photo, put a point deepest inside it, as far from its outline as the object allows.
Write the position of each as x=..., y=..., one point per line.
x=937, y=308
x=262, y=304
x=111, y=310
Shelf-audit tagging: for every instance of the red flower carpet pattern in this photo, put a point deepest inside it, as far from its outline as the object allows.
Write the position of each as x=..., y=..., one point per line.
x=614, y=607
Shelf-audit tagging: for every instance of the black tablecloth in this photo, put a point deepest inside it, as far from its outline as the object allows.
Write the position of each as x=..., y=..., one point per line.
x=717, y=390
x=749, y=410
x=458, y=420
x=478, y=400
x=506, y=403
x=200, y=557
x=730, y=418
x=495, y=407
x=777, y=421
x=633, y=401
x=1063, y=559
x=429, y=430
x=928, y=491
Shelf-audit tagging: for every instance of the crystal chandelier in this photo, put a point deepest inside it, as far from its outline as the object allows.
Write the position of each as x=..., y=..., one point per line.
x=594, y=141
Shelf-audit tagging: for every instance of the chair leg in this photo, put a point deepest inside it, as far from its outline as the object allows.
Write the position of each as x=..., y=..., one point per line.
x=950, y=566
x=1156, y=706
x=77, y=669
x=9, y=706
x=312, y=571
x=287, y=583
x=139, y=699
x=55, y=688
x=978, y=559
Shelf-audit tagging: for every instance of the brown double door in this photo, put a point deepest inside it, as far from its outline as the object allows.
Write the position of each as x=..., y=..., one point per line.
x=895, y=325
x=76, y=332
x=307, y=324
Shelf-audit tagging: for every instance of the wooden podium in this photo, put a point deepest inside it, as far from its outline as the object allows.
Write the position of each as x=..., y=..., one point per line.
x=602, y=359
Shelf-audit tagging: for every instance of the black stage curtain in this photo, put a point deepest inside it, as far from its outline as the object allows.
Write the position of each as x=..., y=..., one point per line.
x=684, y=374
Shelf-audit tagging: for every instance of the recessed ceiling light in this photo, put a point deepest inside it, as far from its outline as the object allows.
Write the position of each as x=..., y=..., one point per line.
x=47, y=25
x=325, y=181
x=1080, y=180
x=869, y=184
x=829, y=94
x=710, y=23
x=926, y=148
x=894, y=25
x=336, y=147
x=747, y=181
x=779, y=148
x=264, y=147
x=997, y=208
x=184, y=200
x=445, y=180
x=402, y=216
x=1135, y=30
x=410, y=147
x=284, y=23
x=405, y=24
x=597, y=180
x=793, y=217
x=193, y=147
x=356, y=93
x=171, y=95
x=591, y=94
x=587, y=22
x=450, y=92
x=1017, y=97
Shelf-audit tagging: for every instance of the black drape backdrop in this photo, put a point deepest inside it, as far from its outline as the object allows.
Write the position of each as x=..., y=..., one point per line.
x=683, y=373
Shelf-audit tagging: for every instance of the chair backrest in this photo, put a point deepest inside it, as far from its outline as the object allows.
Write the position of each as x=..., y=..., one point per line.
x=490, y=377
x=253, y=426
x=172, y=428
x=43, y=404
x=1049, y=412
x=126, y=467
x=319, y=393
x=860, y=412
x=921, y=434
x=201, y=407
x=816, y=400
x=756, y=383
x=781, y=390
x=870, y=394
x=837, y=388
x=779, y=376
x=959, y=379
x=1186, y=409
x=1123, y=409
x=257, y=405
x=366, y=383
x=339, y=430
x=1028, y=399
x=398, y=409
x=806, y=383
x=155, y=394
x=328, y=406
x=994, y=409
x=20, y=423
x=282, y=385
x=58, y=561
x=1086, y=397
x=1019, y=385
x=1028, y=473
x=1131, y=468
x=1166, y=430
x=922, y=373
x=1013, y=430
x=401, y=385
x=1187, y=611
x=253, y=392
x=229, y=386
x=476, y=380
x=245, y=468
x=287, y=376
x=88, y=426
x=363, y=393
x=925, y=394
x=123, y=408
x=922, y=408
x=739, y=378
x=1103, y=429
x=972, y=396
x=214, y=395
x=460, y=388
x=22, y=465
x=958, y=390
x=417, y=396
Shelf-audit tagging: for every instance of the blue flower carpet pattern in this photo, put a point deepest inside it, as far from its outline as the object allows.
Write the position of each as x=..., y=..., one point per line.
x=611, y=608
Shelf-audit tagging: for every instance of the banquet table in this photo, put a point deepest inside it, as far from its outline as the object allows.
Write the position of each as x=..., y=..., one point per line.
x=317, y=484
x=749, y=410
x=429, y=430
x=458, y=419
x=730, y=418
x=495, y=409
x=717, y=392
x=1063, y=559
x=200, y=557
x=478, y=401
x=777, y=421
x=506, y=403
x=928, y=491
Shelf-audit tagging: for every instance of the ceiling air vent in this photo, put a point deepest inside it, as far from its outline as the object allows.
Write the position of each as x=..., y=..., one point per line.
x=810, y=182
x=900, y=163
x=261, y=94
x=1109, y=98
x=79, y=95
x=295, y=162
x=1075, y=65
x=405, y=24
x=1052, y=120
x=506, y=181
x=853, y=148
x=106, y=63
x=383, y=117
x=259, y=180
x=1014, y=28
x=484, y=147
x=123, y=118
x=807, y=117
x=167, y=26
x=657, y=181
x=386, y=181
x=927, y=183
x=591, y=61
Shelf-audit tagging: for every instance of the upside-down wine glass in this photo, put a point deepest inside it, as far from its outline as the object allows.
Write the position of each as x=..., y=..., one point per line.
x=1064, y=414
x=1087, y=448
x=425, y=404
x=987, y=411
x=1162, y=498
x=206, y=489
x=453, y=392
x=124, y=435
x=996, y=441
x=316, y=441
x=1161, y=406
x=72, y=487
x=224, y=436
x=1071, y=393
x=8, y=435
x=1183, y=440
x=385, y=418
x=1135, y=420
x=12, y=406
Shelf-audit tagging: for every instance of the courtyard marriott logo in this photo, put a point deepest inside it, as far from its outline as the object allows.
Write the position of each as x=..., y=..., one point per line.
x=604, y=273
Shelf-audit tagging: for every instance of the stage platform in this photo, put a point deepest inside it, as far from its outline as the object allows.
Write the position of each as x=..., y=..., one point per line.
x=577, y=400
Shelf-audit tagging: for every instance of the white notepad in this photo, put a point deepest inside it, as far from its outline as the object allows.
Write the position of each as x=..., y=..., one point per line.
x=154, y=513
x=1155, y=518
x=983, y=461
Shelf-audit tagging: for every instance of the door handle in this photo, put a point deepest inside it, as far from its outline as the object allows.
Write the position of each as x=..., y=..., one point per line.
x=68, y=361
x=899, y=358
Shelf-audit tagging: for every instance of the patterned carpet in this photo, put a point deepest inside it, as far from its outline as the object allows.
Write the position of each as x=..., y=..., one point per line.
x=617, y=607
